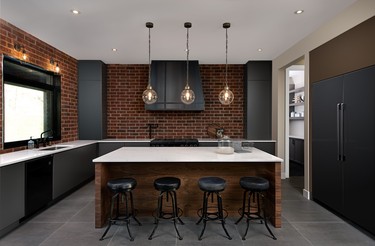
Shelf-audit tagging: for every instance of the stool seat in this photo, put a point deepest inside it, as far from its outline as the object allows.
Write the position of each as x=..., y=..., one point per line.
x=167, y=183
x=122, y=184
x=254, y=183
x=211, y=184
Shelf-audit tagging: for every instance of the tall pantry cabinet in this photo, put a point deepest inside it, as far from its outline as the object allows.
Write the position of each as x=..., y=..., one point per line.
x=343, y=145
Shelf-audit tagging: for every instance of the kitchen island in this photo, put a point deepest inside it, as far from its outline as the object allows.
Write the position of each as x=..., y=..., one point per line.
x=145, y=164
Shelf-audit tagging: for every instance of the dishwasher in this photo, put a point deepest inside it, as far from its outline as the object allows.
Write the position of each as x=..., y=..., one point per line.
x=38, y=184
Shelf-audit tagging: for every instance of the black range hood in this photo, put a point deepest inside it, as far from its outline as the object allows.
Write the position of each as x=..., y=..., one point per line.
x=168, y=79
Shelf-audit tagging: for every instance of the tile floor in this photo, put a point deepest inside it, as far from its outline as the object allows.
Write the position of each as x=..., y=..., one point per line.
x=71, y=222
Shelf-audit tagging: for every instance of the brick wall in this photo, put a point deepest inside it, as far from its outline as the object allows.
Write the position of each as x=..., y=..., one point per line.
x=39, y=53
x=127, y=117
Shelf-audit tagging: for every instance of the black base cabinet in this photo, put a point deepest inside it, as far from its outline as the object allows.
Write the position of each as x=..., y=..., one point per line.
x=343, y=145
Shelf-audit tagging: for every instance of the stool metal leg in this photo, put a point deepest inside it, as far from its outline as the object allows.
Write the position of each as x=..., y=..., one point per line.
x=110, y=221
x=175, y=214
x=248, y=213
x=158, y=214
x=132, y=209
x=204, y=214
x=265, y=219
x=221, y=216
x=243, y=207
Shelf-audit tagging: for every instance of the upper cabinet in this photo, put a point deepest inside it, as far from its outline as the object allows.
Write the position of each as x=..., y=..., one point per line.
x=92, y=100
x=258, y=100
x=296, y=103
x=168, y=79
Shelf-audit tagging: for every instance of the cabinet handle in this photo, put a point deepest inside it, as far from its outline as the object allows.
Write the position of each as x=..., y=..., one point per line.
x=342, y=132
x=338, y=132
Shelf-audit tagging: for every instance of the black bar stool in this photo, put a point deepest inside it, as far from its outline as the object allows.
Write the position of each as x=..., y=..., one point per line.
x=254, y=186
x=121, y=187
x=167, y=187
x=211, y=186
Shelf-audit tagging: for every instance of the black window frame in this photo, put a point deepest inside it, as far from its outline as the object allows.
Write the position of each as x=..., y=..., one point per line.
x=22, y=80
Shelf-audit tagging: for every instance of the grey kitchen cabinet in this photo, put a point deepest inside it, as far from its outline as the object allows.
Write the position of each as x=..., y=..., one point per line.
x=92, y=100
x=296, y=150
x=343, y=145
x=72, y=168
x=258, y=100
x=106, y=147
x=12, y=196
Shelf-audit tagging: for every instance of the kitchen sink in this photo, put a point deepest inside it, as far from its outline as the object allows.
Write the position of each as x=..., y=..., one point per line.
x=55, y=147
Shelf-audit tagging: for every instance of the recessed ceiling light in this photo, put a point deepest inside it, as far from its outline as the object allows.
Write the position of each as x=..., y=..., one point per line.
x=114, y=49
x=75, y=11
x=298, y=12
x=260, y=50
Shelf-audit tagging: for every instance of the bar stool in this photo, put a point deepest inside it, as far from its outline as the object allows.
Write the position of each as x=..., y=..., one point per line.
x=254, y=186
x=212, y=186
x=167, y=187
x=124, y=187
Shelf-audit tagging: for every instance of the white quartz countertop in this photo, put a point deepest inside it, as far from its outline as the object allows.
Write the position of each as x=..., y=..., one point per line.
x=183, y=154
x=25, y=155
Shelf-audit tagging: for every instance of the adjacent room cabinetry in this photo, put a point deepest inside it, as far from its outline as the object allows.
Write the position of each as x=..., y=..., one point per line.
x=296, y=103
x=343, y=145
x=296, y=150
x=92, y=100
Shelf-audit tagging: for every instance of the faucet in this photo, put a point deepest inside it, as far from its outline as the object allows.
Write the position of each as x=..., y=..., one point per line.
x=45, y=140
x=150, y=127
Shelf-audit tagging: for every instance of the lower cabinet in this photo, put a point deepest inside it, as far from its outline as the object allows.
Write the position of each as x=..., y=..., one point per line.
x=71, y=168
x=296, y=150
x=106, y=147
x=12, y=196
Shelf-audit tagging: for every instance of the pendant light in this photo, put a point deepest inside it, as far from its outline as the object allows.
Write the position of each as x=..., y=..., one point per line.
x=226, y=96
x=187, y=95
x=149, y=96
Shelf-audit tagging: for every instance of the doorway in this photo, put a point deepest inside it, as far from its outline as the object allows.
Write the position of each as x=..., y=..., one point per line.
x=295, y=123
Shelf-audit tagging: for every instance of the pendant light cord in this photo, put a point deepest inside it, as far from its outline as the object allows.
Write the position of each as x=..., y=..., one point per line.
x=149, y=56
x=187, y=56
x=226, y=57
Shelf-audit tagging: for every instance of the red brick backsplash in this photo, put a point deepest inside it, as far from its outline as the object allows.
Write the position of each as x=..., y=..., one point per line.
x=127, y=117
x=39, y=53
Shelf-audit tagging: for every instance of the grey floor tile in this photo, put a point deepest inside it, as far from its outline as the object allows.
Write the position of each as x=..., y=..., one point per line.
x=305, y=211
x=75, y=233
x=333, y=234
x=30, y=234
x=85, y=214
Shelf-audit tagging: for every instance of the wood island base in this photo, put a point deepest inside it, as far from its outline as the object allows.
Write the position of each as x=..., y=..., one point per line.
x=189, y=196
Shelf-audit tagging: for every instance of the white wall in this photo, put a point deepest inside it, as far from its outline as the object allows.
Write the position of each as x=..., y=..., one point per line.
x=350, y=17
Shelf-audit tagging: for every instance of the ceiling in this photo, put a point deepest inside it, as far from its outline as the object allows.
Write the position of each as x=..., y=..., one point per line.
x=105, y=24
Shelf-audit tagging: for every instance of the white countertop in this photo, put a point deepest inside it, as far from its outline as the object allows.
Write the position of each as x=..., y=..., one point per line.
x=25, y=155
x=183, y=154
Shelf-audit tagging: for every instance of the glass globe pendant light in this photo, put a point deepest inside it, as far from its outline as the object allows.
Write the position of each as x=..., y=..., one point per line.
x=149, y=96
x=187, y=95
x=226, y=96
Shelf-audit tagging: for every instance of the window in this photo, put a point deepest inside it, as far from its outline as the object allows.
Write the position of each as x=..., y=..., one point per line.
x=31, y=103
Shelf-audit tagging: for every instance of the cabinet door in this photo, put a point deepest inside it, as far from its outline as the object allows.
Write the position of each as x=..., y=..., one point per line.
x=292, y=149
x=359, y=148
x=72, y=168
x=326, y=170
x=12, y=194
x=299, y=151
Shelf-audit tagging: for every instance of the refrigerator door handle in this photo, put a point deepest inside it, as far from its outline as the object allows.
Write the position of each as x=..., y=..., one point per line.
x=338, y=131
x=342, y=132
